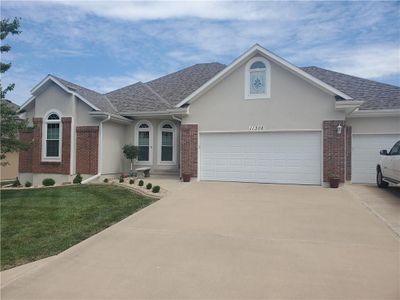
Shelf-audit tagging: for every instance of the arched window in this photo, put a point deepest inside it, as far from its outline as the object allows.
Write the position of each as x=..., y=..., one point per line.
x=167, y=143
x=257, y=78
x=144, y=141
x=52, y=136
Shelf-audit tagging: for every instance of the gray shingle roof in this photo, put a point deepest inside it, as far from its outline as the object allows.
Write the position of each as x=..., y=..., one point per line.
x=95, y=98
x=10, y=104
x=376, y=95
x=177, y=86
x=137, y=97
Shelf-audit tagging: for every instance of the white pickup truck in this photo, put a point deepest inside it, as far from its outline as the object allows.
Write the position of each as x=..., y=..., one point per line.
x=388, y=169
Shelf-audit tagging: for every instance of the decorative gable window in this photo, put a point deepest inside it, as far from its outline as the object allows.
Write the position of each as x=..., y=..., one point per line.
x=258, y=79
x=52, y=137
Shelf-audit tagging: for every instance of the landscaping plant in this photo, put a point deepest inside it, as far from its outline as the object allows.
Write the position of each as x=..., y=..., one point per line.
x=141, y=182
x=121, y=179
x=130, y=152
x=156, y=189
x=131, y=181
x=105, y=180
x=16, y=183
x=48, y=182
x=28, y=184
x=149, y=186
x=77, y=179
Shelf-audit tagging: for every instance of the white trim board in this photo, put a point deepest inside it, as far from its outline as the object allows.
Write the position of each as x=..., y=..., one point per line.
x=257, y=49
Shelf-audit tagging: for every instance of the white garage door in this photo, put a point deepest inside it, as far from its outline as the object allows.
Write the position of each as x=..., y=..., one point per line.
x=273, y=157
x=365, y=154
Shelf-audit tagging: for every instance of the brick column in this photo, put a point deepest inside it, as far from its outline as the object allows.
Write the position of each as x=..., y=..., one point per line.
x=87, y=145
x=25, y=157
x=348, y=152
x=39, y=166
x=334, y=149
x=189, y=144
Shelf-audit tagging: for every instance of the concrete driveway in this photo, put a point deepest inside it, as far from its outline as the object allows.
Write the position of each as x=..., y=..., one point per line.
x=230, y=240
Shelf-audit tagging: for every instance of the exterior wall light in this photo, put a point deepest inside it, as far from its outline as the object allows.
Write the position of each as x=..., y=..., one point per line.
x=339, y=129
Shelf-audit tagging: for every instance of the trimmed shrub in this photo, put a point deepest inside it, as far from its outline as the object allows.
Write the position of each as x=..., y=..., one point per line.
x=28, y=184
x=77, y=179
x=121, y=179
x=105, y=180
x=149, y=186
x=156, y=189
x=16, y=183
x=131, y=181
x=48, y=182
x=141, y=182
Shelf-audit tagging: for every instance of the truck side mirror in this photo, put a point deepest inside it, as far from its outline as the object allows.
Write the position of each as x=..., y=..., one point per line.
x=383, y=152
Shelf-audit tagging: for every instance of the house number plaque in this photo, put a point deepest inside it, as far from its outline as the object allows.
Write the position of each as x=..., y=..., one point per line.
x=256, y=127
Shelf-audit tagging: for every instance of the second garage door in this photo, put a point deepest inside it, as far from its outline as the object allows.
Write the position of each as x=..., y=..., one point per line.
x=268, y=157
x=365, y=154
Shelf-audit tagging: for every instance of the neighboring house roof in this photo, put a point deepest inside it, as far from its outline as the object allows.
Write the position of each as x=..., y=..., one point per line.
x=10, y=104
x=376, y=95
x=97, y=99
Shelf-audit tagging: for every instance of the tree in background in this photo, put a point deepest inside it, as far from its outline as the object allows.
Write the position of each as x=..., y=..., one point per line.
x=130, y=152
x=10, y=123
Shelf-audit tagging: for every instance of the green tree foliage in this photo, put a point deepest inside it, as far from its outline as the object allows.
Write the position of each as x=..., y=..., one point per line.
x=7, y=27
x=10, y=123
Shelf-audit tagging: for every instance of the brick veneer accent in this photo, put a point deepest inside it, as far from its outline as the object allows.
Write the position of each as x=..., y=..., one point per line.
x=189, y=142
x=334, y=156
x=25, y=157
x=348, y=152
x=39, y=166
x=87, y=145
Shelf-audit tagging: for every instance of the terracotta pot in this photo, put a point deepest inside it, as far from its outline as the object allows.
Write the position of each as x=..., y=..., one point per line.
x=186, y=177
x=334, y=182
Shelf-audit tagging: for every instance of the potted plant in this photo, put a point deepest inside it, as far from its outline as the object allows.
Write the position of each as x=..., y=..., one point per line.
x=186, y=177
x=334, y=181
x=130, y=152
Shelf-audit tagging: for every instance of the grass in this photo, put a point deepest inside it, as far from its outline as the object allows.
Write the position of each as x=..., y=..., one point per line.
x=5, y=182
x=38, y=223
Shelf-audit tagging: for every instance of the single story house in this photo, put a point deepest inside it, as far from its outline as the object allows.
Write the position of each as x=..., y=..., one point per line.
x=259, y=119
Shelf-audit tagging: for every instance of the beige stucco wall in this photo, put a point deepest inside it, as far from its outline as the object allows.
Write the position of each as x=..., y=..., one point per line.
x=53, y=98
x=82, y=116
x=294, y=104
x=156, y=166
x=114, y=138
x=10, y=171
x=374, y=125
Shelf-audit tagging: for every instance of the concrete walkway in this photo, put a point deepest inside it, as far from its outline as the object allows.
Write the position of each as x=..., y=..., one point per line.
x=229, y=240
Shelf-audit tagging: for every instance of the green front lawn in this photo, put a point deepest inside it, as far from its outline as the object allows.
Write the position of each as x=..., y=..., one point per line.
x=37, y=223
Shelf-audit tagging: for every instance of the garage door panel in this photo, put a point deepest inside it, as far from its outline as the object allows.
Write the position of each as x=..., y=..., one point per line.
x=365, y=154
x=261, y=157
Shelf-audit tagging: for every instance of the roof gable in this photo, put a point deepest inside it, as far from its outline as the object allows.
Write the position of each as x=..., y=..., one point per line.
x=257, y=49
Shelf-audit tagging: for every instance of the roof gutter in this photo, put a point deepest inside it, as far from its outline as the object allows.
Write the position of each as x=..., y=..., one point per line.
x=348, y=106
x=113, y=117
x=174, y=112
x=100, y=163
x=375, y=113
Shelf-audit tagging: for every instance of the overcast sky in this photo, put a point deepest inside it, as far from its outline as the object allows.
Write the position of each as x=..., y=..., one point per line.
x=105, y=45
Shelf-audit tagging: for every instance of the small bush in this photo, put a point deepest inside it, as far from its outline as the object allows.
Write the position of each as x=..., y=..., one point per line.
x=28, y=184
x=149, y=186
x=105, y=180
x=131, y=181
x=156, y=189
x=77, y=179
x=16, y=183
x=141, y=182
x=121, y=180
x=48, y=182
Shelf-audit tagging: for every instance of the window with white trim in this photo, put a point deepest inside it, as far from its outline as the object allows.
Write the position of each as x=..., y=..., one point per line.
x=257, y=85
x=143, y=141
x=52, y=137
x=167, y=142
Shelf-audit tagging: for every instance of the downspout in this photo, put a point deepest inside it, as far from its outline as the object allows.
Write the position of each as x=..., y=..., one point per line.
x=180, y=153
x=100, y=162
